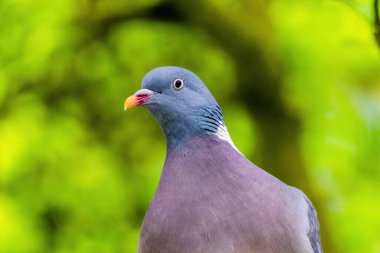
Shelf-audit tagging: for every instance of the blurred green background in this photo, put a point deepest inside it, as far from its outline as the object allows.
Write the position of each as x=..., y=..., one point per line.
x=298, y=81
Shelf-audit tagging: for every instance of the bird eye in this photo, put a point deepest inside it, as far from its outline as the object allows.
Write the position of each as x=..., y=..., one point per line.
x=178, y=84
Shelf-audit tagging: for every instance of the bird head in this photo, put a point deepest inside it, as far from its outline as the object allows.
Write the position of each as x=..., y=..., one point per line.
x=180, y=102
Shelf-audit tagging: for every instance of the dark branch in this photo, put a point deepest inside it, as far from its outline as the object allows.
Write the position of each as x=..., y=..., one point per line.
x=377, y=21
x=163, y=12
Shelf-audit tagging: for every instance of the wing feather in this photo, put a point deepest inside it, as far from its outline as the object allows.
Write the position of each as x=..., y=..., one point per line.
x=313, y=233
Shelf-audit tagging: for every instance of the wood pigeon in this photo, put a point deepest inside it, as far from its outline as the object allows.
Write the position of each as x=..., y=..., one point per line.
x=211, y=198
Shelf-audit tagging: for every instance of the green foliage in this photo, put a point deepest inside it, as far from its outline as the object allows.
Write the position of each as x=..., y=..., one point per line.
x=333, y=81
x=77, y=174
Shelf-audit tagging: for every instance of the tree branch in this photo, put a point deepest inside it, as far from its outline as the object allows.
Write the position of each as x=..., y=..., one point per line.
x=377, y=21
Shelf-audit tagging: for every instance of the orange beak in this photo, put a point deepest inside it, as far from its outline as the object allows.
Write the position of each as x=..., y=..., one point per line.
x=130, y=102
x=139, y=98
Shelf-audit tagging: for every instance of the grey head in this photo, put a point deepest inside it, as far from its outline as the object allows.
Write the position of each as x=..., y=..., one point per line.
x=181, y=103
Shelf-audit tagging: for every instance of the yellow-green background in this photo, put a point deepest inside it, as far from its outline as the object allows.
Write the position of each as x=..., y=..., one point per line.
x=298, y=81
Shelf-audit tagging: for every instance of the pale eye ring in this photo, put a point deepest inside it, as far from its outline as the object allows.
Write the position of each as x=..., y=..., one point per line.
x=178, y=84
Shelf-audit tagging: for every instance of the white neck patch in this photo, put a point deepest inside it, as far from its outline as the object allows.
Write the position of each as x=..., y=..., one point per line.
x=211, y=120
x=223, y=134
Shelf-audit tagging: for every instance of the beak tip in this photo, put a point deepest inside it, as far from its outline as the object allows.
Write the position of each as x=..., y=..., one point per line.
x=130, y=102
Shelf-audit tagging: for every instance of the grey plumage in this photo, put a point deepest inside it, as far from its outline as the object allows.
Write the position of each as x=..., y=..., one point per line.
x=210, y=202
x=210, y=198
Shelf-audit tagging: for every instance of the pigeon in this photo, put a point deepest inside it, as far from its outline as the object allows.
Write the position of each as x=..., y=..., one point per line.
x=210, y=197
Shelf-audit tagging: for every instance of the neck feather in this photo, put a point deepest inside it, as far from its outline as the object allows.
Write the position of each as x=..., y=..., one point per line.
x=211, y=121
x=206, y=120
